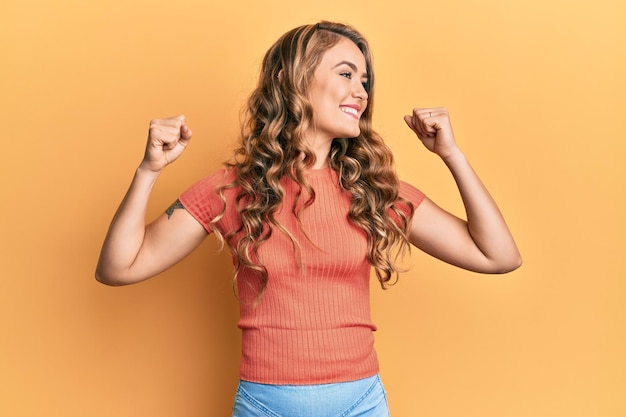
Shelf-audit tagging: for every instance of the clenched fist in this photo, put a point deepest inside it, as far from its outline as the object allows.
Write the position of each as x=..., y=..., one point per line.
x=432, y=126
x=167, y=139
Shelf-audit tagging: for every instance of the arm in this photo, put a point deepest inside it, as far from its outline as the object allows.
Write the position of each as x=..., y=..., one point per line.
x=483, y=242
x=132, y=251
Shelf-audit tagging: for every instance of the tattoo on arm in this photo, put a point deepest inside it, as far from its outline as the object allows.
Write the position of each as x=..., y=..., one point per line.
x=175, y=205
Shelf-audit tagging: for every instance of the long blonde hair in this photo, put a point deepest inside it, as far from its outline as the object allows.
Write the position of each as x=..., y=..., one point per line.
x=273, y=146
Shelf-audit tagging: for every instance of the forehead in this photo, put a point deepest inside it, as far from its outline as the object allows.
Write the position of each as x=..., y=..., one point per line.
x=344, y=50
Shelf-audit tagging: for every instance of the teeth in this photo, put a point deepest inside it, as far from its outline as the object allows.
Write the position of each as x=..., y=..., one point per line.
x=349, y=110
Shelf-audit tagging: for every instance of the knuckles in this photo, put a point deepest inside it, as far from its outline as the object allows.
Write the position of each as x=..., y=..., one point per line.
x=167, y=129
x=176, y=122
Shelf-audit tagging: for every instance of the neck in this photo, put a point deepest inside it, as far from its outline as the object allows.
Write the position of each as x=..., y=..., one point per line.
x=320, y=162
x=321, y=149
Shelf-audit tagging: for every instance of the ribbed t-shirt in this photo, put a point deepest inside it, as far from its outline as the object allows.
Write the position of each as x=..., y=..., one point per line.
x=312, y=324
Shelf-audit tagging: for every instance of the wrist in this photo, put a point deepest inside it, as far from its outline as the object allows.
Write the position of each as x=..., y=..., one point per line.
x=454, y=156
x=145, y=171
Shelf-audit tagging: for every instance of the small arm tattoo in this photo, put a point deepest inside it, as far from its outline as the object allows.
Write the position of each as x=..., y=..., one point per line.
x=175, y=205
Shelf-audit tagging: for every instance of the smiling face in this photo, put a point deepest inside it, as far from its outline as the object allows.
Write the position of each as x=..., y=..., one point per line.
x=338, y=93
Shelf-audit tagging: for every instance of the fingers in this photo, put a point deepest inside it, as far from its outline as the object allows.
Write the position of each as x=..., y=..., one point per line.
x=185, y=132
x=425, y=122
x=433, y=128
x=170, y=131
x=167, y=139
x=171, y=123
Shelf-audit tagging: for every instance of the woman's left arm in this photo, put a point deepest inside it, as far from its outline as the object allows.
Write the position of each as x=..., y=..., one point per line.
x=483, y=242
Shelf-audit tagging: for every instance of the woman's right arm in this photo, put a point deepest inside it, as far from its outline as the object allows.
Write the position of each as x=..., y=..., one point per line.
x=133, y=251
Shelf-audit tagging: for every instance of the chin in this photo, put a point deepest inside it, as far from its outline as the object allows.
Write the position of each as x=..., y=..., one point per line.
x=351, y=134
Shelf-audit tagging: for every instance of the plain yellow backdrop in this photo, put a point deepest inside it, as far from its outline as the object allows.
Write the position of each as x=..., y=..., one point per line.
x=536, y=90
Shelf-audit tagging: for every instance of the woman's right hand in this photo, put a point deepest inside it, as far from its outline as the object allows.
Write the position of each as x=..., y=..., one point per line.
x=133, y=251
x=167, y=139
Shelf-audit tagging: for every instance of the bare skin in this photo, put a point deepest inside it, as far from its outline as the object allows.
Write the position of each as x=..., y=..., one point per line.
x=483, y=242
x=133, y=251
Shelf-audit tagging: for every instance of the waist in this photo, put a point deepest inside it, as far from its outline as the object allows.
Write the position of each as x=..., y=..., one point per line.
x=307, y=356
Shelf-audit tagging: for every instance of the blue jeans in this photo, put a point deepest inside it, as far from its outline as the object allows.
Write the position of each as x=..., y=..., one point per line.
x=364, y=397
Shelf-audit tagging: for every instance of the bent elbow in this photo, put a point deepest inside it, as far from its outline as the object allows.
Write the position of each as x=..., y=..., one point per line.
x=518, y=263
x=104, y=279
x=509, y=265
x=109, y=279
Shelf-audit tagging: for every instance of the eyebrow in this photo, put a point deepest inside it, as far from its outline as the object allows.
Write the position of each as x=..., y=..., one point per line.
x=353, y=66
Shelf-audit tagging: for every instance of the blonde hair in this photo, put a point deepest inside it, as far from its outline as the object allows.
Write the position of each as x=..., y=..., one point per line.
x=272, y=146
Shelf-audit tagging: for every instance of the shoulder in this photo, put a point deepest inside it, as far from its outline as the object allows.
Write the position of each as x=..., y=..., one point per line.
x=206, y=191
x=411, y=193
x=213, y=181
x=409, y=198
x=204, y=199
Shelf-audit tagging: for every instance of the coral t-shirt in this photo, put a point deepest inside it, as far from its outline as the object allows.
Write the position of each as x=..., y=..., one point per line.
x=312, y=325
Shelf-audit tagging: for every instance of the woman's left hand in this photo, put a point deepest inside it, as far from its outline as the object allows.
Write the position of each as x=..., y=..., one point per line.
x=433, y=127
x=483, y=242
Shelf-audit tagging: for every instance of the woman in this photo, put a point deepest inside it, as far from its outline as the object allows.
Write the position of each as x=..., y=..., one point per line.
x=308, y=205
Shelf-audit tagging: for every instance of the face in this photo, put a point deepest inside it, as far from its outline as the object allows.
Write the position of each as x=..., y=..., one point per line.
x=338, y=93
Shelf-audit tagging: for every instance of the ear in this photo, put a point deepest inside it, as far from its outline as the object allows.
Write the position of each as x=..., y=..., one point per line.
x=280, y=76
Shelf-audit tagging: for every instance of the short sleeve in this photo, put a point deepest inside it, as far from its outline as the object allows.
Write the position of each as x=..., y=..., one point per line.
x=411, y=194
x=202, y=199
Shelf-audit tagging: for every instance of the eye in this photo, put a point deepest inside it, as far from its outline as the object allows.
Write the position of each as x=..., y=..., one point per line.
x=366, y=85
x=346, y=74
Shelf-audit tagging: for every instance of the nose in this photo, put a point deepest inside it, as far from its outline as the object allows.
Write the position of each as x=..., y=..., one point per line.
x=360, y=92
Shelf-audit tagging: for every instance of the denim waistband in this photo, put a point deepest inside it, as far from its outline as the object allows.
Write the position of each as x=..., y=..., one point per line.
x=363, y=397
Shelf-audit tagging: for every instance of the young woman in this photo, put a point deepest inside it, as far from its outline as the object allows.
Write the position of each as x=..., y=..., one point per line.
x=308, y=205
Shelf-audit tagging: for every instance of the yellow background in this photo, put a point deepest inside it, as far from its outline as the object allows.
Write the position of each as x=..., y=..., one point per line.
x=536, y=89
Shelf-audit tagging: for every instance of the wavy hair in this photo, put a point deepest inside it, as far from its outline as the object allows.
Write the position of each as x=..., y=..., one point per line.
x=273, y=146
